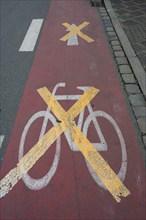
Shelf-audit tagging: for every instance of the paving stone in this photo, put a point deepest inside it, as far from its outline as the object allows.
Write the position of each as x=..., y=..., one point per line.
x=111, y=33
x=113, y=38
x=102, y=9
x=109, y=29
x=115, y=43
x=117, y=47
x=96, y=2
x=142, y=124
x=104, y=14
x=137, y=100
x=121, y=60
x=128, y=78
x=133, y=24
x=106, y=17
x=125, y=69
x=107, y=23
x=140, y=111
x=131, y=18
x=132, y=88
x=144, y=140
x=119, y=53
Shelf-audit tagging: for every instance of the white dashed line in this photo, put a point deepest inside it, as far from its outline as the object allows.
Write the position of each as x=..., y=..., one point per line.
x=31, y=36
x=1, y=140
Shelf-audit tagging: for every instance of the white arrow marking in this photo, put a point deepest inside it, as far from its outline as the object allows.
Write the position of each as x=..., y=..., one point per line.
x=73, y=40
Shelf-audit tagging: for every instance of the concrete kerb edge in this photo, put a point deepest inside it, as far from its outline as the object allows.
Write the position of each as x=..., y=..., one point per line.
x=125, y=63
x=136, y=66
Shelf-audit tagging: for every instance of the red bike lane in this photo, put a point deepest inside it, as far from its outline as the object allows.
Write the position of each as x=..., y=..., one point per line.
x=61, y=184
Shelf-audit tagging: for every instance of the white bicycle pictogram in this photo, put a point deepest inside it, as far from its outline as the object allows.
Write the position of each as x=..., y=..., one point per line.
x=37, y=184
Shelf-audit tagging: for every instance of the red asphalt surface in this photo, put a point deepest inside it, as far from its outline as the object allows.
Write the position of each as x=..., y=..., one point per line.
x=72, y=193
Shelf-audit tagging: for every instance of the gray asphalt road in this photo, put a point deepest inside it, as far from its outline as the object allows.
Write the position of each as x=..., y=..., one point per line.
x=16, y=17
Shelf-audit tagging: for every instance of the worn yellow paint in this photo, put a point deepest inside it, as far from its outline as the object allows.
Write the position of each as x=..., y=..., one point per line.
x=102, y=169
x=76, y=30
x=28, y=161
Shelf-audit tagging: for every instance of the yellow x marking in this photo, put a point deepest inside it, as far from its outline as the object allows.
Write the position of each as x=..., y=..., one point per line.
x=38, y=150
x=76, y=30
x=102, y=169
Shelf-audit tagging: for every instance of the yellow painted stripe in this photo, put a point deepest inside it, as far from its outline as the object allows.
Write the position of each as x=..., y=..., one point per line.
x=38, y=150
x=105, y=173
x=84, y=36
x=99, y=165
x=102, y=169
x=74, y=31
x=28, y=161
x=73, y=112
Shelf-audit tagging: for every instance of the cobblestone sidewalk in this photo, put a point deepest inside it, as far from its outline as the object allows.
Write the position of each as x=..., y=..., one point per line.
x=128, y=79
x=132, y=16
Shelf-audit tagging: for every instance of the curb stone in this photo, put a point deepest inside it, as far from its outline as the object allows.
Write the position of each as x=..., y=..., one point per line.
x=125, y=68
x=128, y=78
x=129, y=68
x=121, y=60
x=136, y=66
x=132, y=89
